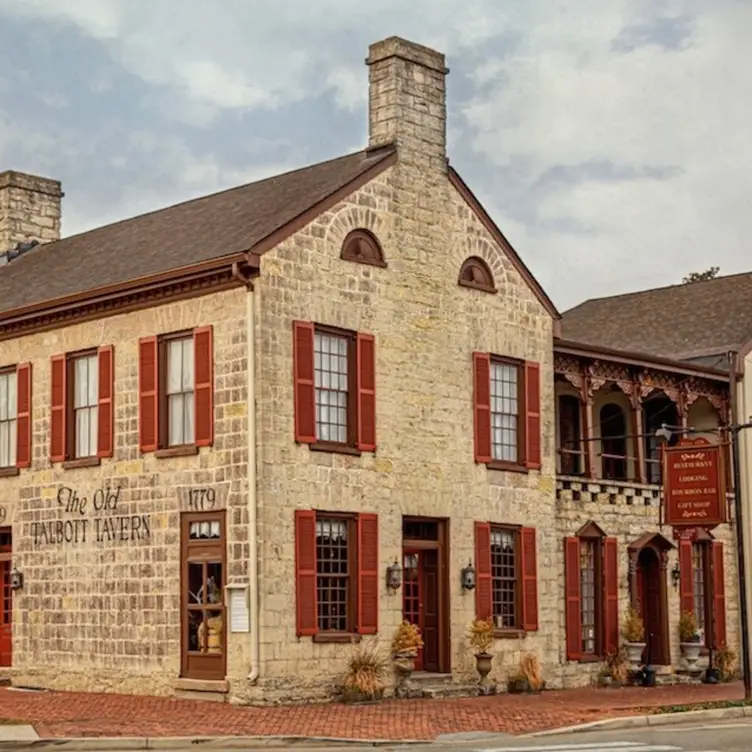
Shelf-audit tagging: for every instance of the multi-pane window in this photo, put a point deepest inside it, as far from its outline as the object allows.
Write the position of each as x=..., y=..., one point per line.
x=570, y=441
x=332, y=382
x=505, y=440
x=588, y=611
x=699, y=585
x=333, y=574
x=504, y=578
x=180, y=391
x=85, y=373
x=8, y=417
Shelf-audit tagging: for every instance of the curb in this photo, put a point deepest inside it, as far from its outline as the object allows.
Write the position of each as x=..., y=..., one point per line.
x=641, y=721
x=104, y=744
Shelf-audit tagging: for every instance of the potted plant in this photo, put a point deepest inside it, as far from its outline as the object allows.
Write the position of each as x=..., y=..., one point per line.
x=633, y=632
x=364, y=681
x=617, y=667
x=689, y=639
x=724, y=663
x=481, y=636
x=517, y=684
x=406, y=643
x=528, y=677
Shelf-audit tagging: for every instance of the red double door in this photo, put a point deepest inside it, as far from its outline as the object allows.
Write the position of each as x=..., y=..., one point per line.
x=420, y=602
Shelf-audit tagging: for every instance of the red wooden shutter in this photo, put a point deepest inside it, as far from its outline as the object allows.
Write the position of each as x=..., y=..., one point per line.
x=686, y=584
x=532, y=415
x=366, y=376
x=203, y=354
x=573, y=599
x=305, y=573
x=483, y=590
x=148, y=394
x=304, y=385
x=482, y=406
x=58, y=428
x=23, y=415
x=105, y=409
x=719, y=597
x=611, y=601
x=529, y=579
x=368, y=573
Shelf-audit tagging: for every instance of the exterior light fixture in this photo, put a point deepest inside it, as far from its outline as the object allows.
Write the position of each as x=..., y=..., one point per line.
x=468, y=576
x=394, y=576
x=675, y=575
x=664, y=433
x=16, y=579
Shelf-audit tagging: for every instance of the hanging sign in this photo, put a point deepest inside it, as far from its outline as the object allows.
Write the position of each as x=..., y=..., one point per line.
x=694, y=488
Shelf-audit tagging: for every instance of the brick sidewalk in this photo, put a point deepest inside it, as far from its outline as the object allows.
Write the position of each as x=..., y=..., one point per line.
x=67, y=714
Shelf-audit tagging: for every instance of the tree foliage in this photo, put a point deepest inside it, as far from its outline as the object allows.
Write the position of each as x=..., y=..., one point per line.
x=710, y=273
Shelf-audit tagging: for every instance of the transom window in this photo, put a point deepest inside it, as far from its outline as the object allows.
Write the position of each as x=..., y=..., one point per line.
x=332, y=355
x=588, y=609
x=84, y=372
x=504, y=578
x=505, y=411
x=333, y=574
x=8, y=417
x=180, y=391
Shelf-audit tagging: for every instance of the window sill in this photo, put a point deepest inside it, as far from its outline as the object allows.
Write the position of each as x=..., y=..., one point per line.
x=510, y=467
x=9, y=472
x=82, y=462
x=187, y=450
x=509, y=634
x=326, y=446
x=337, y=638
x=590, y=659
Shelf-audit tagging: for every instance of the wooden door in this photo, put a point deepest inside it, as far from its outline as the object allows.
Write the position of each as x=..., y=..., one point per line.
x=204, y=627
x=652, y=607
x=412, y=594
x=420, y=603
x=6, y=600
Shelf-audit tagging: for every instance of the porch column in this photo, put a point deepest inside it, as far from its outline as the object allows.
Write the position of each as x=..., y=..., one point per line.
x=638, y=429
x=587, y=409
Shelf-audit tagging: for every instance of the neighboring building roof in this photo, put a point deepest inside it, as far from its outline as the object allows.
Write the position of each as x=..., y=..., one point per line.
x=180, y=236
x=697, y=322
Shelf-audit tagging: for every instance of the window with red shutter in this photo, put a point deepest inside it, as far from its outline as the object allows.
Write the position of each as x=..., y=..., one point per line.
x=305, y=572
x=23, y=417
x=148, y=394
x=572, y=596
x=58, y=409
x=368, y=574
x=483, y=584
x=532, y=416
x=529, y=579
x=611, y=607
x=105, y=407
x=719, y=596
x=203, y=351
x=482, y=406
x=686, y=591
x=334, y=380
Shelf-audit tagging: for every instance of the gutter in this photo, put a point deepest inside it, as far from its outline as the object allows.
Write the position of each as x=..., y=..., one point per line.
x=253, y=576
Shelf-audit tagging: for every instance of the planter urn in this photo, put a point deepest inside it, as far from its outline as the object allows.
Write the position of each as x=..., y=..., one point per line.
x=691, y=654
x=483, y=663
x=404, y=665
x=634, y=655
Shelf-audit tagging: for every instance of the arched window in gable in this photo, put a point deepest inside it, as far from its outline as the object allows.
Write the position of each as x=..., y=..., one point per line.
x=362, y=247
x=476, y=274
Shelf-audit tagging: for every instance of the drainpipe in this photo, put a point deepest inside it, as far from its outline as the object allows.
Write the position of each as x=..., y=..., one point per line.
x=253, y=578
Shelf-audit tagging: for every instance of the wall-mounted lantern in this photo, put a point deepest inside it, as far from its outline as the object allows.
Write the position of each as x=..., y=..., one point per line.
x=16, y=579
x=675, y=575
x=394, y=576
x=468, y=576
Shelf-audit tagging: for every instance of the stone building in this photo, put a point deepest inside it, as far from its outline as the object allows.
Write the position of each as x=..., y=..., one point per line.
x=222, y=422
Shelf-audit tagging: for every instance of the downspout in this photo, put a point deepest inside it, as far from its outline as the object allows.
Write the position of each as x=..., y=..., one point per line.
x=253, y=579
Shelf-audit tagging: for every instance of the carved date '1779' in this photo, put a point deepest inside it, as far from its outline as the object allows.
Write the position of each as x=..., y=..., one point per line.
x=202, y=499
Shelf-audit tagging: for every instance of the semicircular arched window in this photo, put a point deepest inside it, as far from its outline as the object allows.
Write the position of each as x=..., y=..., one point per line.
x=362, y=247
x=476, y=274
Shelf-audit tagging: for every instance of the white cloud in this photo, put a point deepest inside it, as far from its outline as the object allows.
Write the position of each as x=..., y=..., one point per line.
x=555, y=87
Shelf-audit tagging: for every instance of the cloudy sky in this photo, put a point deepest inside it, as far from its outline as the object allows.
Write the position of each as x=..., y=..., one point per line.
x=608, y=138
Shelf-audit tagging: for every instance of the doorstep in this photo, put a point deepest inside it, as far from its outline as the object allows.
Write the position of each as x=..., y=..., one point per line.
x=201, y=689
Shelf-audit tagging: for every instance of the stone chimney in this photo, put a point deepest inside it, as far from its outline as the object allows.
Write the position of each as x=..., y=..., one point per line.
x=29, y=209
x=407, y=100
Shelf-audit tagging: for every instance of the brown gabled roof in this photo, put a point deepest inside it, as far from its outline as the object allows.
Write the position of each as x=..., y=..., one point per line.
x=180, y=236
x=698, y=322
